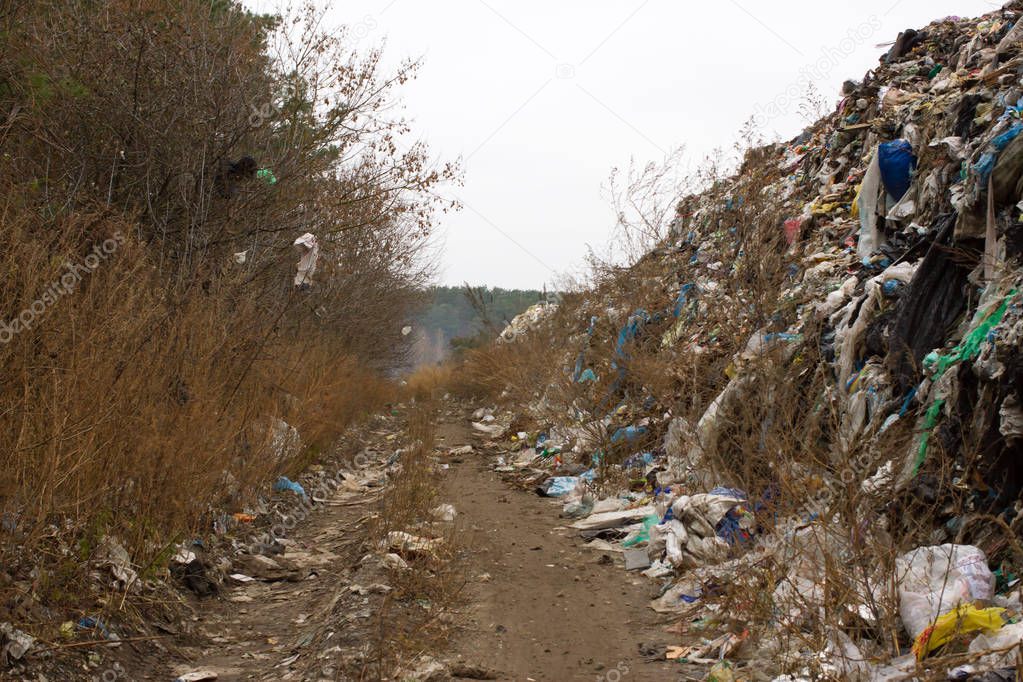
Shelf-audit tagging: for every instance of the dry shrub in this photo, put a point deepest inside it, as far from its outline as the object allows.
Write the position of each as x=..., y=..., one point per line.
x=430, y=382
x=133, y=414
x=525, y=368
x=411, y=618
x=145, y=397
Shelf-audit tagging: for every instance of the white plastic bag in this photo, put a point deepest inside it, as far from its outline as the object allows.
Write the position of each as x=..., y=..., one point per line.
x=309, y=247
x=933, y=580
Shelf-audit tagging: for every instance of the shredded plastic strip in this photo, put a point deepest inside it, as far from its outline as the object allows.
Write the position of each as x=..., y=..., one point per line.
x=967, y=350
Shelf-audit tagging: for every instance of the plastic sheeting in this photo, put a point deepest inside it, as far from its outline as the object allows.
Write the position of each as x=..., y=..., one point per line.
x=927, y=310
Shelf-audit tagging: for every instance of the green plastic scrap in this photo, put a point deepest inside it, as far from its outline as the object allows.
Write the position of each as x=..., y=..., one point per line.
x=644, y=535
x=930, y=419
x=967, y=350
x=267, y=176
x=970, y=347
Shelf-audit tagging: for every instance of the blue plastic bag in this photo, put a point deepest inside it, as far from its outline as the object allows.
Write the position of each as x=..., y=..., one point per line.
x=284, y=483
x=985, y=166
x=682, y=300
x=1003, y=140
x=628, y=434
x=897, y=163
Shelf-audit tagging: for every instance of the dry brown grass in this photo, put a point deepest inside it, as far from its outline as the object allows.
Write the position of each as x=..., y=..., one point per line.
x=132, y=415
x=140, y=404
x=414, y=617
x=430, y=382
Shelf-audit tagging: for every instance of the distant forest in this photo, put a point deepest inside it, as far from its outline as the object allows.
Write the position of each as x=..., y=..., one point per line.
x=451, y=317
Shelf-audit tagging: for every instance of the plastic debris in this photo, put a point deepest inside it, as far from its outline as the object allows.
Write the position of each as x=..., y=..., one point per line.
x=14, y=644
x=284, y=484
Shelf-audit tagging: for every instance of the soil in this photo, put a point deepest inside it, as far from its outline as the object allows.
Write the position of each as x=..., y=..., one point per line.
x=551, y=608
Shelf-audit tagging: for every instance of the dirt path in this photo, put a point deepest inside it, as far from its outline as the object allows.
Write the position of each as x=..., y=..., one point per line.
x=551, y=609
x=273, y=627
x=537, y=606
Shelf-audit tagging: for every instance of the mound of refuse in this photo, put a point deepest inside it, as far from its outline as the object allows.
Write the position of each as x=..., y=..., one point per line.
x=800, y=414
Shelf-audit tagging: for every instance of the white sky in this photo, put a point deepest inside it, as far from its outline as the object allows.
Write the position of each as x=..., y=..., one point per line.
x=543, y=98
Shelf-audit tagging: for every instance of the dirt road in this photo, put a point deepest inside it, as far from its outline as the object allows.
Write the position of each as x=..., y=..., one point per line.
x=537, y=604
x=551, y=609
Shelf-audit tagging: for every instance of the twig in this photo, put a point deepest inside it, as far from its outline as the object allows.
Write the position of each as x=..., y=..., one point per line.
x=99, y=642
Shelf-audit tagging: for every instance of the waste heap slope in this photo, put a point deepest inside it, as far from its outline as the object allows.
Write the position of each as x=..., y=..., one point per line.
x=803, y=405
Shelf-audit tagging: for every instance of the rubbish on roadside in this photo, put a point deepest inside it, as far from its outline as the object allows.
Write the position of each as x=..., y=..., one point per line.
x=267, y=176
x=493, y=430
x=284, y=484
x=406, y=543
x=578, y=509
x=527, y=320
x=889, y=338
x=628, y=434
x=964, y=618
x=642, y=534
x=395, y=562
x=559, y=486
x=721, y=672
x=897, y=163
x=996, y=650
x=636, y=559
x=183, y=555
x=285, y=441
x=197, y=676
x=112, y=556
x=613, y=519
x=444, y=512
x=14, y=643
x=375, y=588
x=710, y=651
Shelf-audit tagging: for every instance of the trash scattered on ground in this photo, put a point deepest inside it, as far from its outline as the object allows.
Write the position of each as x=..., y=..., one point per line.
x=197, y=676
x=444, y=512
x=14, y=644
x=407, y=544
x=284, y=484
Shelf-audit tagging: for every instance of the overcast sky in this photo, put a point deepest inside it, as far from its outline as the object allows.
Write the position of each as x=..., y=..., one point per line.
x=541, y=98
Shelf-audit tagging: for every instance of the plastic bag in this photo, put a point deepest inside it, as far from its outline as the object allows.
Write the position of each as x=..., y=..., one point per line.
x=897, y=162
x=934, y=580
x=964, y=618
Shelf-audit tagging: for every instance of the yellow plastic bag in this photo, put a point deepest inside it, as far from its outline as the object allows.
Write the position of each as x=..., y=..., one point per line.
x=855, y=212
x=963, y=618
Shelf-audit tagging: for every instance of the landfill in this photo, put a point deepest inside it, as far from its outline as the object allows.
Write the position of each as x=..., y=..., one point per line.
x=820, y=477
x=795, y=421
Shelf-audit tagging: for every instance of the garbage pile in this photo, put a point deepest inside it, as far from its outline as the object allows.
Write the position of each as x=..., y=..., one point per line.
x=527, y=320
x=834, y=452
